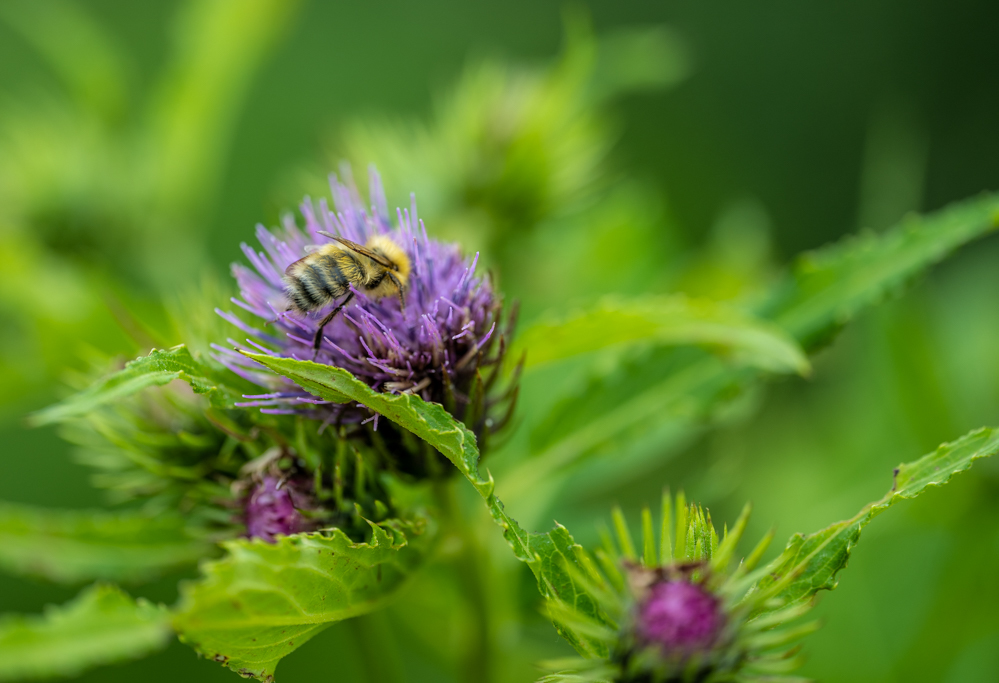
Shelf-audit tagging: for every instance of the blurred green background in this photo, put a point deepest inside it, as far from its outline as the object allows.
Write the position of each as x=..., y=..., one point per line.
x=141, y=142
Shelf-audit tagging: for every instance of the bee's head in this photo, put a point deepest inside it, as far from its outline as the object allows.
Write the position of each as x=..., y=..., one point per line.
x=386, y=246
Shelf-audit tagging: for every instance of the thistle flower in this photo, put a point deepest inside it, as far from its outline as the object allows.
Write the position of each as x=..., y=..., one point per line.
x=679, y=616
x=443, y=345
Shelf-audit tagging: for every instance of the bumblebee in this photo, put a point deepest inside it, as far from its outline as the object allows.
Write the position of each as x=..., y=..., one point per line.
x=379, y=269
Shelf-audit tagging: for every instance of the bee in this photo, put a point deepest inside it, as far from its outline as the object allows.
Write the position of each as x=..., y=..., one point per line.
x=379, y=269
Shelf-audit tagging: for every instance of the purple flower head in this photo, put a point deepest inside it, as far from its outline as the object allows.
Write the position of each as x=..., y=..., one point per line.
x=434, y=346
x=680, y=617
x=272, y=507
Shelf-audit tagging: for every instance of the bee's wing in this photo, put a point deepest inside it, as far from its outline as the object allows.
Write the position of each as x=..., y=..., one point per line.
x=291, y=265
x=312, y=248
x=354, y=246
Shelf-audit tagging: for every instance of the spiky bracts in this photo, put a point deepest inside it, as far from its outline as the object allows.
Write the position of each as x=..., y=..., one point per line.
x=446, y=345
x=676, y=612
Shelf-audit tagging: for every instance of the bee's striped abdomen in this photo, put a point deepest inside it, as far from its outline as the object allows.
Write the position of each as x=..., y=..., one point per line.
x=300, y=298
x=330, y=271
x=317, y=280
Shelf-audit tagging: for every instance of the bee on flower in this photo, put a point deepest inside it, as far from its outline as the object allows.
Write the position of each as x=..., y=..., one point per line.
x=401, y=311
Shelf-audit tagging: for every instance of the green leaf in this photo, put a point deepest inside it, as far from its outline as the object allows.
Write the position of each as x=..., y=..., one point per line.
x=673, y=391
x=82, y=545
x=158, y=368
x=218, y=48
x=641, y=58
x=79, y=50
x=663, y=393
x=810, y=563
x=262, y=600
x=664, y=320
x=102, y=625
x=826, y=288
x=547, y=555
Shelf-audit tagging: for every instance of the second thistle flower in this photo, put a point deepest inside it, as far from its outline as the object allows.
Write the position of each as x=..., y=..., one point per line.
x=677, y=612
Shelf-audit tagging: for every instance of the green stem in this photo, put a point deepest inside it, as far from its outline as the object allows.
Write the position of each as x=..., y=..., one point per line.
x=476, y=664
x=376, y=644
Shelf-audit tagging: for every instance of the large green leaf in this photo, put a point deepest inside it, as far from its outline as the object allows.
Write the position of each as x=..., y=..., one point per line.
x=158, y=368
x=79, y=50
x=815, y=559
x=218, y=47
x=262, y=601
x=663, y=320
x=625, y=406
x=675, y=390
x=102, y=625
x=829, y=286
x=83, y=545
x=547, y=554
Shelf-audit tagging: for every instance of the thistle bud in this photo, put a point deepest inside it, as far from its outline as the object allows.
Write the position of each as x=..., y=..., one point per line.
x=680, y=615
x=680, y=618
x=273, y=507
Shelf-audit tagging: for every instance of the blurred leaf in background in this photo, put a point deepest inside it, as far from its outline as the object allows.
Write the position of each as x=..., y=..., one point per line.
x=106, y=182
x=515, y=161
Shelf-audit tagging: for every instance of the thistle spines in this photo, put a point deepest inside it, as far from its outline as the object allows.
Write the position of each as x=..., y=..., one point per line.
x=623, y=535
x=649, y=558
x=730, y=540
x=666, y=543
x=676, y=611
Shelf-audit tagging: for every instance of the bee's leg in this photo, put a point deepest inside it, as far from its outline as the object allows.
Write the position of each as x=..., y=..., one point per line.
x=287, y=310
x=318, y=339
x=398, y=288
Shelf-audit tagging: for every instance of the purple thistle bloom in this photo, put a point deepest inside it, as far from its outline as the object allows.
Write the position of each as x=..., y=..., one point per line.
x=272, y=508
x=680, y=617
x=433, y=347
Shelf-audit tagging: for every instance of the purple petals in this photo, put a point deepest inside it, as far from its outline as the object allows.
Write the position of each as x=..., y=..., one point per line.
x=272, y=508
x=449, y=314
x=680, y=617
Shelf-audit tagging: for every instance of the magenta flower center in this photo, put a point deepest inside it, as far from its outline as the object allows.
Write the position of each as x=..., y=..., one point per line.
x=681, y=617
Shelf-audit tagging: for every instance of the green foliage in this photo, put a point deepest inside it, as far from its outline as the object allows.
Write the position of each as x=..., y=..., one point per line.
x=66, y=163
x=185, y=446
x=663, y=321
x=826, y=288
x=218, y=49
x=810, y=563
x=108, y=179
x=760, y=604
x=513, y=160
x=72, y=546
x=671, y=391
x=658, y=395
x=156, y=369
x=262, y=601
x=102, y=625
x=509, y=148
x=545, y=553
x=174, y=445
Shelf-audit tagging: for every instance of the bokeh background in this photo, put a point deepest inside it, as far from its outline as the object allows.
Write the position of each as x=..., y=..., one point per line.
x=701, y=144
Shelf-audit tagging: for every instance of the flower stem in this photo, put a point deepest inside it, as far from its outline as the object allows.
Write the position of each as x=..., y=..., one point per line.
x=471, y=569
x=376, y=644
